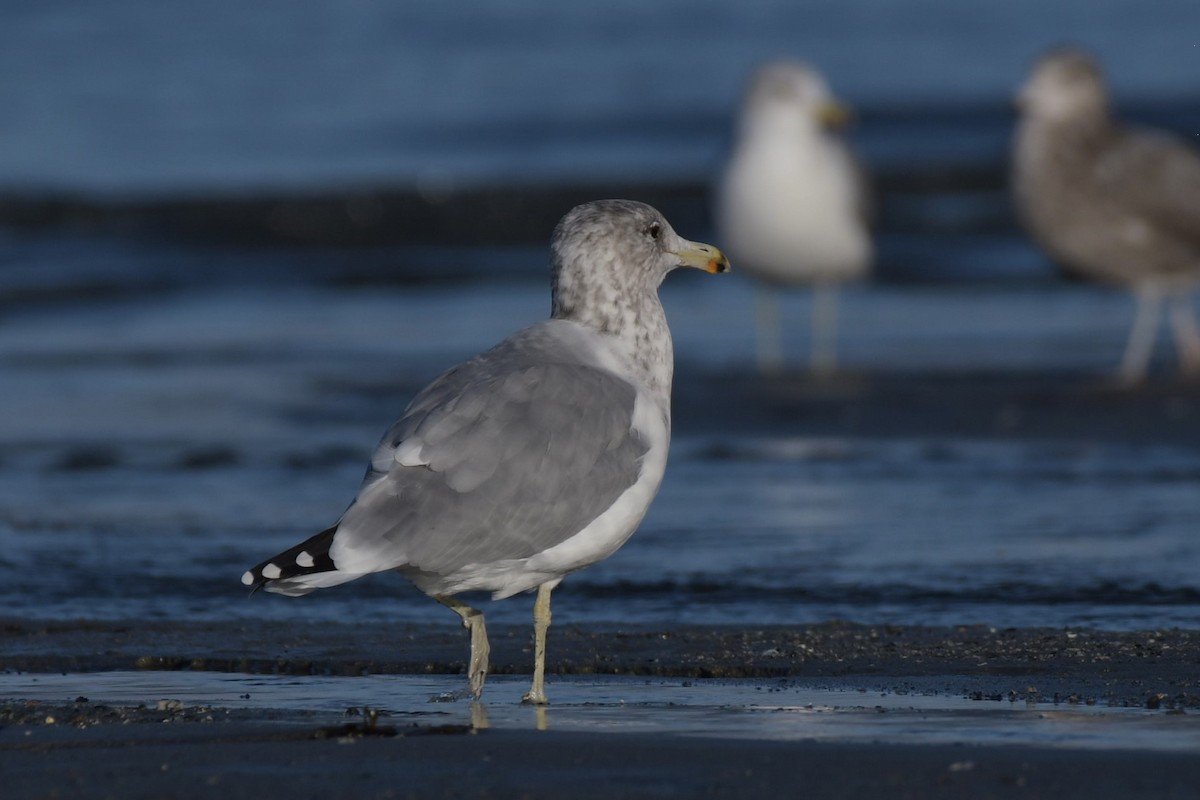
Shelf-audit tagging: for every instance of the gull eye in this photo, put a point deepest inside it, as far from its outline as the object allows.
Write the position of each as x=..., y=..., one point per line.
x=654, y=231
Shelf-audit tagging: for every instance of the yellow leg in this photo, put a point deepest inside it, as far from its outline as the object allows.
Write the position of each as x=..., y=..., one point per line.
x=541, y=622
x=473, y=622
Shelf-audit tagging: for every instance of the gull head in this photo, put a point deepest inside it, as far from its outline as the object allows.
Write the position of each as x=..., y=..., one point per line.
x=790, y=98
x=610, y=248
x=1065, y=85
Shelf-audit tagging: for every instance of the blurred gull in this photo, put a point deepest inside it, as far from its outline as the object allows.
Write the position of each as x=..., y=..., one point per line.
x=534, y=459
x=792, y=205
x=1110, y=203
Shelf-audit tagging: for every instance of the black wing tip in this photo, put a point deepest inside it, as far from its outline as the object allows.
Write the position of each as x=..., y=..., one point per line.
x=311, y=555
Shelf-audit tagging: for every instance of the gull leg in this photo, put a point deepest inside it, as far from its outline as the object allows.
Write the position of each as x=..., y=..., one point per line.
x=1187, y=333
x=824, y=328
x=1141, y=335
x=473, y=621
x=541, y=623
x=770, y=347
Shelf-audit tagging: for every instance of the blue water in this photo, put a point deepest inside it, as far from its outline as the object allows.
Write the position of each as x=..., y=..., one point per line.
x=153, y=96
x=174, y=410
x=155, y=449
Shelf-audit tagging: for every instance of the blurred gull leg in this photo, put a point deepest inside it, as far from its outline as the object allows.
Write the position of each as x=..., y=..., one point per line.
x=824, y=328
x=1187, y=333
x=1141, y=334
x=770, y=344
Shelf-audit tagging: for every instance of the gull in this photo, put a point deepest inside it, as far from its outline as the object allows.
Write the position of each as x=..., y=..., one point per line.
x=533, y=459
x=1110, y=203
x=792, y=204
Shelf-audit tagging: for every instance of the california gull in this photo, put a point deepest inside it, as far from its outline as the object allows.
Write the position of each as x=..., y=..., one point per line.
x=1110, y=203
x=793, y=203
x=533, y=459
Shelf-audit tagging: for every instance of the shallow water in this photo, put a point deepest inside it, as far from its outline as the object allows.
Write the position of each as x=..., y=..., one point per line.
x=781, y=710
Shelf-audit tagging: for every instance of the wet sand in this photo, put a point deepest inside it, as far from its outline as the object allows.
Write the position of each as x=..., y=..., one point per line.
x=87, y=749
x=253, y=760
x=1117, y=668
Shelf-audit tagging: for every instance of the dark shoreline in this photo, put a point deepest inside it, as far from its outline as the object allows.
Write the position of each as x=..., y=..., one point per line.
x=1156, y=669
x=86, y=749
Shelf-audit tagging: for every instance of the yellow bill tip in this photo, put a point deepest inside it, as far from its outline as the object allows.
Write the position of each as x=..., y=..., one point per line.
x=703, y=256
x=835, y=115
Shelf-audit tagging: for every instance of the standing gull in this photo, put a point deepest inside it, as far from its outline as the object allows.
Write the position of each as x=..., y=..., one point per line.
x=533, y=459
x=1110, y=203
x=792, y=204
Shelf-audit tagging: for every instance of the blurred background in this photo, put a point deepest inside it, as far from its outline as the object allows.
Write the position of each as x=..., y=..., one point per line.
x=236, y=237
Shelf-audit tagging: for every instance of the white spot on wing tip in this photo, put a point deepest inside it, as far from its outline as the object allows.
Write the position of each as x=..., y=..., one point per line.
x=304, y=559
x=271, y=572
x=247, y=578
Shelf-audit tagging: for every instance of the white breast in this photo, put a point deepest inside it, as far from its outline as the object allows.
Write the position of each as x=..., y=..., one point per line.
x=789, y=212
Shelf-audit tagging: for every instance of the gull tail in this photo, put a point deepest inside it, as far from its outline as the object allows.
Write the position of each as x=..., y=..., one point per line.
x=300, y=569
